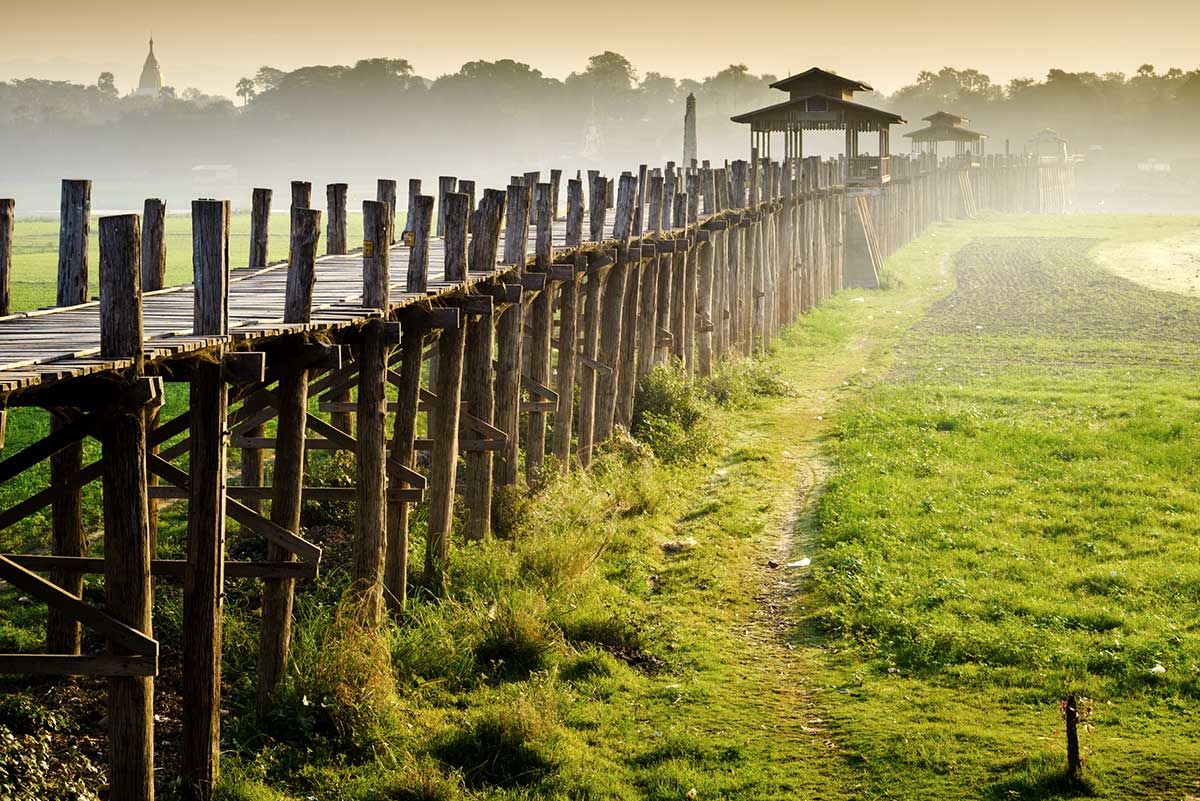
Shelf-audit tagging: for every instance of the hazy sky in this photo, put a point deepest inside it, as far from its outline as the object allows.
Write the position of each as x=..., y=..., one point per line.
x=209, y=45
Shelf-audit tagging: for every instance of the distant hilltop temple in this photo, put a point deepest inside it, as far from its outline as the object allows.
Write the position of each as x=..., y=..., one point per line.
x=151, y=82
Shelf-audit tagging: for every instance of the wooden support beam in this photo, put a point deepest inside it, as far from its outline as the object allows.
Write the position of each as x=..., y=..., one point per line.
x=509, y=328
x=275, y=625
x=404, y=427
x=612, y=312
x=478, y=392
x=568, y=319
x=648, y=302
x=443, y=463
x=453, y=222
x=485, y=239
x=204, y=577
x=170, y=567
x=418, y=257
x=541, y=321
x=66, y=515
x=126, y=524
x=370, y=526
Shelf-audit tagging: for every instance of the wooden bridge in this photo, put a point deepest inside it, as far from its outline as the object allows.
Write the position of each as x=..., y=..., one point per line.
x=514, y=308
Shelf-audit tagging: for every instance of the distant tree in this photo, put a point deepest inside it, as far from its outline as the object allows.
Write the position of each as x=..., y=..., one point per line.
x=268, y=78
x=107, y=84
x=245, y=90
x=168, y=92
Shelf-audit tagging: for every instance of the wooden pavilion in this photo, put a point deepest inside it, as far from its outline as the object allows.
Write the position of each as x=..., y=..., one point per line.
x=946, y=127
x=820, y=100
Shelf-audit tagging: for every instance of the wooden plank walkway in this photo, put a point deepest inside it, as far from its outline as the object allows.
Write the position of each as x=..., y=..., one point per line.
x=55, y=344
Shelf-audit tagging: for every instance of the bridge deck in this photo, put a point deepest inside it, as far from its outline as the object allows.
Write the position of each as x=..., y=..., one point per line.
x=48, y=345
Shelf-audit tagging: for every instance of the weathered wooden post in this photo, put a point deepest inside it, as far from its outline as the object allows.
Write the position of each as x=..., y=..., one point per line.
x=541, y=322
x=403, y=453
x=468, y=188
x=260, y=234
x=385, y=192
x=443, y=461
x=478, y=372
x=154, y=275
x=414, y=189
x=126, y=514
x=66, y=511
x=591, y=323
x=457, y=209
x=704, y=309
x=418, y=256
x=612, y=312
x=370, y=522
x=647, y=332
x=555, y=182
x=275, y=629
x=204, y=574
x=446, y=185
x=335, y=237
x=509, y=333
x=8, y=214
x=568, y=331
x=679, y=273
x=260, y=228
x=627, y=369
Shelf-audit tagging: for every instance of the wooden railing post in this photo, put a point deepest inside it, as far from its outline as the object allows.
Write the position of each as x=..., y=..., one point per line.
x=8, y=214
x=447, y=184
x=204, y=574
x=260, y=228
x=414, y=189
x=275, y=629
x=385, y=192
x=370, y=523
x=126, y=527
x=335, y=237
x=66, y=511
x=454, y=229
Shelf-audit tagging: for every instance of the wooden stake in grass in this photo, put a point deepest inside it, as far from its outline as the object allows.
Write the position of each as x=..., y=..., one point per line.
x=1071, y=716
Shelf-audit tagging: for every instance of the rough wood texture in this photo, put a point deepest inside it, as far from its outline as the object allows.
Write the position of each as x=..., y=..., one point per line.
x=126, y=515
x=370, y=520
x=275, y=629
x=154, y=245
x=509, y=329
x=443, y=462
x=8, y=215
x=612, y=312
x=456, y=206
x=73, y=235
x=260, y=222
x=480, y=403
x=485, y=241
x=541, y=320
x=385, y=192
x=335, y=235
x=597, y=206
x=69, y=538
x=418, y=257
x=568, y=331
x=555, y=183
x=204, y=576
x=647, y=332
x=446, y=185
x=414, y=189
x=404, y=432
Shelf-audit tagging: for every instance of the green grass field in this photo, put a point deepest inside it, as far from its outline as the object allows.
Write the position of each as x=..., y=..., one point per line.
x=989, y=465
x=35, y=253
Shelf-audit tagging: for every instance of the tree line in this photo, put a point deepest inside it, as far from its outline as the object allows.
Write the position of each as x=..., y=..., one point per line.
x=490, y=118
